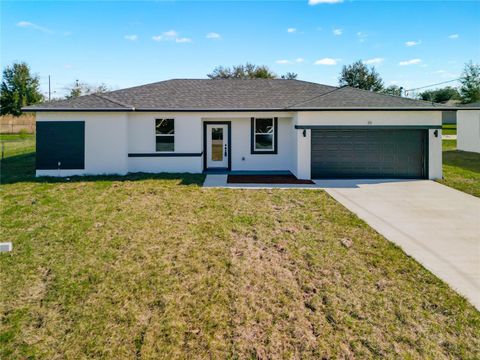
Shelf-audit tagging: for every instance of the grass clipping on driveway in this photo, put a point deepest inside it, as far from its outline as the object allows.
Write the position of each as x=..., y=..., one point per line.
x=161, y=268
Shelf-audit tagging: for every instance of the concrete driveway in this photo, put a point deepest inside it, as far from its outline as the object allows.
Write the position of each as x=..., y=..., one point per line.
x=435, y=224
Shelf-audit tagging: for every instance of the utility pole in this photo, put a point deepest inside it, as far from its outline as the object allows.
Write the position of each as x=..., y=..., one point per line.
x=49, y=89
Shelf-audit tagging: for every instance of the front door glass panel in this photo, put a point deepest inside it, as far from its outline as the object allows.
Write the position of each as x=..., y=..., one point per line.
x=217, y=144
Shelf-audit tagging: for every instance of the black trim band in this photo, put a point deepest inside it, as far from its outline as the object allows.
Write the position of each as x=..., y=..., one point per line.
x=166, y=154
x=366, y=127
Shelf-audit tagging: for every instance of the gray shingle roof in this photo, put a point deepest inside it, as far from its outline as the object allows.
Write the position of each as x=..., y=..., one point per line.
x=234, y=94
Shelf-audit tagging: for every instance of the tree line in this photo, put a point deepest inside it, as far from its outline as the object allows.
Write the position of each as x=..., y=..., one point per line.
x=20, y=87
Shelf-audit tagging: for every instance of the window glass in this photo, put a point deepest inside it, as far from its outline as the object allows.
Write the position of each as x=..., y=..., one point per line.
x=264, y=126
x=217, y=134
x=164, y=126
x=164, y=134
x=217, y=144
x=264, y=134
x=264, y=142
x=165, y=143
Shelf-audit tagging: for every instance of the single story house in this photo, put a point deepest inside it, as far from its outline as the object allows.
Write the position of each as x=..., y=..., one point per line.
x=468, y=128
x=258, y=125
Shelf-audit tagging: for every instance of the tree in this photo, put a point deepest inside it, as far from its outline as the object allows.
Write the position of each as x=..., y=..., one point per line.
x=79, y=89
x=440, y=95
x=247, y=71
x=289, y=76
x=19, y=88
x=359, y=75
x=470, y=80
x=393, y=90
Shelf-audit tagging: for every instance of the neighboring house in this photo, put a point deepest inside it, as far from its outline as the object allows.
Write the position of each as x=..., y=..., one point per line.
x=468, y=128
x=450, y=117
x=182, y=125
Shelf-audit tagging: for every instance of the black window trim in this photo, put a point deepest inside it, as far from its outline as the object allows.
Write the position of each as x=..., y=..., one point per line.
x=164, y=135
x=275, y=137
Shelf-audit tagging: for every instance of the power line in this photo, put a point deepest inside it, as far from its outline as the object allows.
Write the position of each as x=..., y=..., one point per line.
x=440, y=83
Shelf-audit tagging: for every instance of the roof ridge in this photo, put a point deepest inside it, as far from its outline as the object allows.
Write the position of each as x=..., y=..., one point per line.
x=102, y=96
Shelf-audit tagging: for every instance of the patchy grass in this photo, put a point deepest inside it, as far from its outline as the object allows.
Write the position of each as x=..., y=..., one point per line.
x=461, y=169
x=449, y=129
x=18, y=163
x=159, y=267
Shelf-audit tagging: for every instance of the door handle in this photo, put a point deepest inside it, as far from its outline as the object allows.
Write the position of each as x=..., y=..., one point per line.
x=225, y=150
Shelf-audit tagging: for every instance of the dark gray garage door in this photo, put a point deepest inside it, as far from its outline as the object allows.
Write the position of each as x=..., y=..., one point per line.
x=60, y=144
x=370, y=154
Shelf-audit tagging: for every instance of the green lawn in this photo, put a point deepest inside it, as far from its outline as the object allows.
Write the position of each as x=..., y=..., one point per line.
x=461, y=169
x=449, y=129
x=158, y=267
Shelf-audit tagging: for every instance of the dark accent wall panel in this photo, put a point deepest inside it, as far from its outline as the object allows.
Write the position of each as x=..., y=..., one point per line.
x=60, y=142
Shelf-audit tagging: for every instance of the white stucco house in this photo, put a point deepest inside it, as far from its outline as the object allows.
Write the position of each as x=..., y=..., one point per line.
x=199, y=125
x=468, y=128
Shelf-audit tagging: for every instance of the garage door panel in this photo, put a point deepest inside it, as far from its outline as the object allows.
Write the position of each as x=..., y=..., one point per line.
x=60, y=144
x=368, y=153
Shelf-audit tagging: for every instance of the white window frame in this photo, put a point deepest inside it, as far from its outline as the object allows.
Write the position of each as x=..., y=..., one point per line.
x=255, y=133
x=164, y=135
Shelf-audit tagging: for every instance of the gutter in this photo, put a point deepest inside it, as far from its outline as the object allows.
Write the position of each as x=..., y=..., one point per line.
x=247, y=109
x=365, y=127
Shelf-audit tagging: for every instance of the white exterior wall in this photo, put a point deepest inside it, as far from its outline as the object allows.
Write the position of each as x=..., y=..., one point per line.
x=141, y=139
x=468, y=130
x=189, y=139
x=243, y=160
x=111, y=136
x=105, y=142
x=369, y=118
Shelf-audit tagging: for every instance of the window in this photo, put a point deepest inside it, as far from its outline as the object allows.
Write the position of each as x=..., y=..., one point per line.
x=165, y=134
x=264, y=136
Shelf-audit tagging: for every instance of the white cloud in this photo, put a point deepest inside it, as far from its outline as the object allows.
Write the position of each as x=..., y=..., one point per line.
x=327, y=61
x=131, y=37
x=316, y=2
x=454, y=36
x=28, y=24
x=183, y=40
x=361, y=36
x=67, y=33
x=412, y=43
x=291, y=30
x=374, y=61
x=68, y=66
x=170, y=34
x=289, y=62
x=213, y=35
x=337, y=32
x=410, y=62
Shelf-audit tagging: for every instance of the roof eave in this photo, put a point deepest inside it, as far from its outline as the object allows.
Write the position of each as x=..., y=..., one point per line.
x=76, y=109
x=423, y=108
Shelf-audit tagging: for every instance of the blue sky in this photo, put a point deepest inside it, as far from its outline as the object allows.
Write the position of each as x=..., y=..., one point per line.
x=123, y=43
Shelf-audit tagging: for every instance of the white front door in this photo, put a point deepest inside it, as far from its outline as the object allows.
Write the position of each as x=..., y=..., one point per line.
x=217, y=146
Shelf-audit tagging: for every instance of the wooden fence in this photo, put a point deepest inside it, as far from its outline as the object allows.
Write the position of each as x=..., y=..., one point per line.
x=17, y=124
